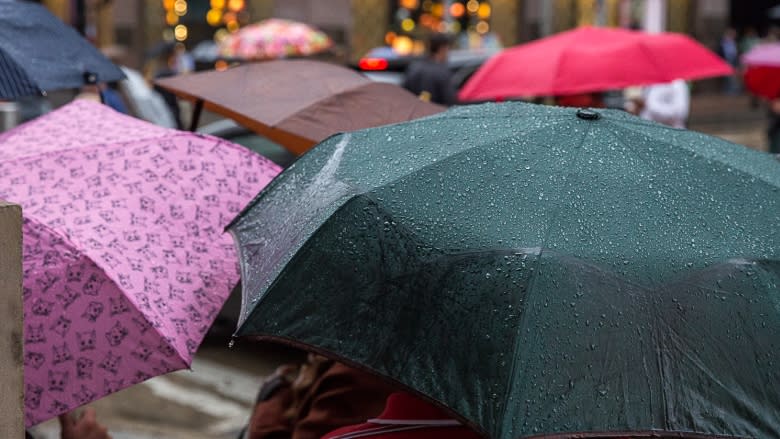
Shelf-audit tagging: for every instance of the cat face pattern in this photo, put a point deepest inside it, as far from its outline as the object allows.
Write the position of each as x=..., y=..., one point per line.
x=123, y=242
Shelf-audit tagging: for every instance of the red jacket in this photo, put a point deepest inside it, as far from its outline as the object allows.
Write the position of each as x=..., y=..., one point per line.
x=407, y=417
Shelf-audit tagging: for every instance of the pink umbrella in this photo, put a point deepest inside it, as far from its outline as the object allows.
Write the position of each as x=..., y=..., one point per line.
x=762, y=75
x=274, y=38
x=763, y=55
x=125, y=260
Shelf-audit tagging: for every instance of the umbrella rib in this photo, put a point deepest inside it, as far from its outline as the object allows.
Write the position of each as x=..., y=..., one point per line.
x=31, y=217
x=533, y=279
x=701, y=153
x=24, y=82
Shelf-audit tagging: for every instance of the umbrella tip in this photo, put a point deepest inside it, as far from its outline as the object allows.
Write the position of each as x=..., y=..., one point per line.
x=588, y=114
x=90, y=78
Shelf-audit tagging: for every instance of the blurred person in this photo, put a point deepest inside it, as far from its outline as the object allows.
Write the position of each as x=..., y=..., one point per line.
x=748, y=41
x=183, y=61
x=774, y=126
x=167, y=66
x=407, y=417
x=101, y=92
x=633, y=100
x=110, y=96
x=79, y=426
x=729, y=51
x=772, y=35
x=430, y=78
x=667, y=103
x=309, y=400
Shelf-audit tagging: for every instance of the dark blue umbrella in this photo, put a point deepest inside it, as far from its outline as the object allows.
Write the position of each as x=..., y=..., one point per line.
x=38, y=53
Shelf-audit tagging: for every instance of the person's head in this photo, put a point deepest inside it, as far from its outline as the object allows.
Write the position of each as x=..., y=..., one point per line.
x=730, y=33
x=439, y=47
x=773, y=34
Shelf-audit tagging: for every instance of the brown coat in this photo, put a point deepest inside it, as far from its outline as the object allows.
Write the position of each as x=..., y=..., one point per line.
x=340, y=396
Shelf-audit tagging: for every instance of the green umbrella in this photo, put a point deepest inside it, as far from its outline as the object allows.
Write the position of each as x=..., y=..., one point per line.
x=537, y=270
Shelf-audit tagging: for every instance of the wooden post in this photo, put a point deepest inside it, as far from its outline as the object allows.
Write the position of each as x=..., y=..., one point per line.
x=11, y=372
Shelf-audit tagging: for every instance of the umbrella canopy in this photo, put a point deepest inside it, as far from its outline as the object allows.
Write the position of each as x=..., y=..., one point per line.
x=38, y=53
x=762, y=76
x=125, y=262
x=767, y=54
x=298, y=103
x=592, y=59
x=763, y=81
x=537, y=270
x=274, y=38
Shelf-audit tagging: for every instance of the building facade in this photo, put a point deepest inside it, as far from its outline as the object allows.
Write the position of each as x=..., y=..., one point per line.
x=360, y=25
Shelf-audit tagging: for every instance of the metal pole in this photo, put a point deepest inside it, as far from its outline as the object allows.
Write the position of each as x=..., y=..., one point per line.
x=196, y=115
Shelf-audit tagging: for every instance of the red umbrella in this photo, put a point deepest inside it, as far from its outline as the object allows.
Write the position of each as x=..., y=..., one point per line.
x=762, y=76
x=763, y=81
x=592, y=59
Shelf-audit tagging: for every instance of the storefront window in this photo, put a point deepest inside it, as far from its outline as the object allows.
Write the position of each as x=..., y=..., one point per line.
x=413, y=20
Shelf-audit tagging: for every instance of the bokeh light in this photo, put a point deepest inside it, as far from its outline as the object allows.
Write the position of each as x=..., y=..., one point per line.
x=214, y=17
x=236, y=5
x=180, y=32
x=457, y=10
x=484, y=11
x=171, y=18
x=180, y=7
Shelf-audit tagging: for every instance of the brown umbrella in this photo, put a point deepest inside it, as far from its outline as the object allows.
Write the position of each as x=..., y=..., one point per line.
x=298, y=103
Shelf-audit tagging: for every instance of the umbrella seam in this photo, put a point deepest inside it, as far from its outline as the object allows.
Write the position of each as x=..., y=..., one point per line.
x=276, y=181
x=29, y=78
x=532, y=283
x=18, y=130
x=696, y=153
x=655, y=329
x=107, y=273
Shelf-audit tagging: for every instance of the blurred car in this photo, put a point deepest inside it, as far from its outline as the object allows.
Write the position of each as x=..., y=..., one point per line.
x=383, y=64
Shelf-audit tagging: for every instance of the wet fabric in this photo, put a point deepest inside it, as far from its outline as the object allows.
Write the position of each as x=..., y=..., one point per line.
x=588, y=59
x=298, y=103
x=535, y=271
x=125, y=263
x=39, y=53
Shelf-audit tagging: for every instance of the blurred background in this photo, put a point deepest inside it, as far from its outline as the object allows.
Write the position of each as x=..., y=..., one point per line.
x=154, y=38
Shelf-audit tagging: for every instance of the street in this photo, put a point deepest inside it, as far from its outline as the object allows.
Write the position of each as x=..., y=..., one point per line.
x=213, y=400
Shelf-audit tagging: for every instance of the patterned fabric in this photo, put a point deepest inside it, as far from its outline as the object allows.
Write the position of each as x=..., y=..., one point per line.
x=274, y=38
x=125, y=260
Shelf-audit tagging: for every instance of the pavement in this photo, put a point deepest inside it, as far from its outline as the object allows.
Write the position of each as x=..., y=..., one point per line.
x=735, y=118
x=214, y=399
